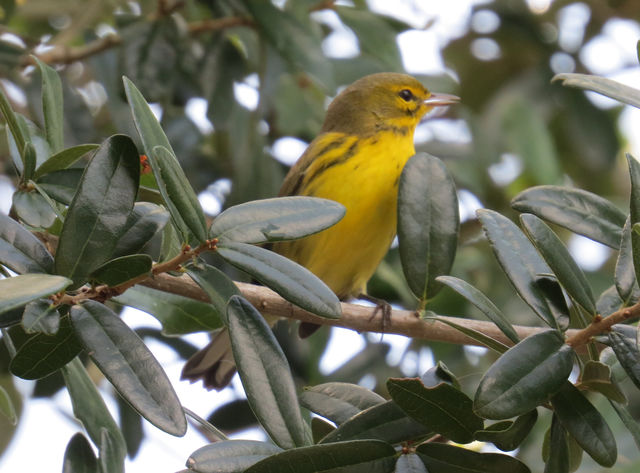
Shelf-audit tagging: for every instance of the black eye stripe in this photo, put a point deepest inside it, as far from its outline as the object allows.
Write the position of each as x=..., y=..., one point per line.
x=406, y=95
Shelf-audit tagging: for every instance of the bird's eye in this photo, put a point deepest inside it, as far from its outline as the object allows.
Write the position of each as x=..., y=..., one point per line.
x=406, y=95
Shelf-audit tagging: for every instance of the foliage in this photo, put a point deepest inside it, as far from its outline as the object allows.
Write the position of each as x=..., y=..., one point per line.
x=91, y=225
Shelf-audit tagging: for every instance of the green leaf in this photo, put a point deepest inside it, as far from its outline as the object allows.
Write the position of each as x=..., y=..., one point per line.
x=89, y=407
x=292, y=281
x=177, y=192
x=628, y=420
x=519, y=260
x=524, y=377
x=625, y=276
x=443, y=408
x=109, y=457
x=339, y=402
x=178, y=315
x=585, y=424
x=410, y=463
x=442, y=458
x=123, y=269
x=483, y=303
x=597, y=377
x=508, y=435
x=628, y=354
x=564, y=267
x=20, y=250
x=61, y=185
x=79, y=456
x=602, y=85
x=12, y=123
x=166, y=166
x=7, y=409
x=577, y=210
x=129, y=365
x=63, y=159
x=558, y=456
x=100, y=208
x=230, y=456
x=41, y=354
x=144, y=222
x=386, y=422
x=293, y=40
x=18, y=290
x=33, y=209
x=439, y=374
x=29, y=154
x=473, y=334
x=265, y=375
x=282, y=218
x=428, y=223
x=41, y=317
x=357, y=456
x=51, y=105
x=634, y=217
x=215, y=283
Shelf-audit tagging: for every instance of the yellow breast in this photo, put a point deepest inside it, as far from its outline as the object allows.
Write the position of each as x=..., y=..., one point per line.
x=362, y=174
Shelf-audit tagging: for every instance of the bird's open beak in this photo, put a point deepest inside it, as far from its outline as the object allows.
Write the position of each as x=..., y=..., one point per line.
x=439, y=100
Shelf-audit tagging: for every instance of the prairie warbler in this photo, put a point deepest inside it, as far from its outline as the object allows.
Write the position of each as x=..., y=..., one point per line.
x=365, y=141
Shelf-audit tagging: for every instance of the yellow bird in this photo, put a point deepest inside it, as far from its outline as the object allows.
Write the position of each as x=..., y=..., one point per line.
x=356, y=160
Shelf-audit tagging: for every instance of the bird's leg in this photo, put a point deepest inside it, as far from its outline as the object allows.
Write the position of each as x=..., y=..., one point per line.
x=382, y=306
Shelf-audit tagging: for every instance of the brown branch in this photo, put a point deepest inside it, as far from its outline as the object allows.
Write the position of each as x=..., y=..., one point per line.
x=600, y=325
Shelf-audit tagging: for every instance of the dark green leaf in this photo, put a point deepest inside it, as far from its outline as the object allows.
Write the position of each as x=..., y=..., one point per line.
x=121, y=270
x=508, y=435
x=265, y=375
x=129, y=365
x=79, y=456
x=443, y=408
x=51, y=105
x=577, y=210
x=33, y=209
x=585, y=424
x=89, y=407
x=609, y=302
x=178, y=315
x=230, y=456
x=625, y=275
x=634, y=217
x=7, y=409
x=109, y=457
x=519, y=260
x=483, y=303
x=17, y=291
x=61, y=185
x=145, y=221
x=597, y=377
x=442, y=458
x=602, y=85
x=41, y=354
x=473, y=334
x=41, y=316
x=20, y=250
x=177, y=186
x=628, y=420
x=63, y=159
x=282, y=218
x=100, y=208
x=439, y=374
x=566, y=270
x=410, y=463
x=428, y=223
x=357, y=456
x=295, y=41
x=11, y=317
x=215, y=283
x=292, y=281
x=29, y=154
x=558, y=459
x=386, y=422
x=525, y=376
x=339, y=402
x=626, y=349
x=178, y=194
x=12, y=122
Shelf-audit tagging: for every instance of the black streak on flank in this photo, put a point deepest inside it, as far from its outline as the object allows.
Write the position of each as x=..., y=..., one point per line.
x=348, y=154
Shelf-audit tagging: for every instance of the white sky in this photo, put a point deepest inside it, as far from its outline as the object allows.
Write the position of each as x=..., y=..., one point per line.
x=161, y=452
